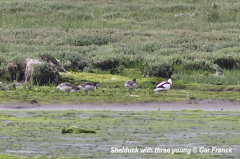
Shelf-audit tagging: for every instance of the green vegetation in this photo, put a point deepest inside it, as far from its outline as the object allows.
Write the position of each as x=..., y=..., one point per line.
x=111, y=89
x=76, y=130
x=21, y=130
x=191, y=37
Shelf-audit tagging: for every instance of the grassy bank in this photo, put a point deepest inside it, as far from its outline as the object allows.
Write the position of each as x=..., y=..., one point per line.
x=111, y=89
x=48, y=96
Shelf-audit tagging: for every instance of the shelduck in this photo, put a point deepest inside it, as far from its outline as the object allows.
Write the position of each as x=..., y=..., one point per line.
x=131, y=85
x=67, y=87
x=165, y=85
x=88, y=87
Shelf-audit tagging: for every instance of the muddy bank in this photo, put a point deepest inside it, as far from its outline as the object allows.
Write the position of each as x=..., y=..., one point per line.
x=194, y=104
x=39, y=133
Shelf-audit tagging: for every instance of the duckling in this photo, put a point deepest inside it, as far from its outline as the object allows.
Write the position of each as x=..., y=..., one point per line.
x=88, y=87
x=131, y=85
x=67, y=87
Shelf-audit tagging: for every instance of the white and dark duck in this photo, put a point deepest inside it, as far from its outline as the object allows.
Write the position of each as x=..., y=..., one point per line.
x=67, y=87
x=165, y=85
x=88, y=87
x=131, y=85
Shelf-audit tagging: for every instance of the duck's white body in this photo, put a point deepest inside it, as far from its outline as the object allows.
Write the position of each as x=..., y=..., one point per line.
x=164, y=86
x=88, y=87
x=131, y=85
x=67, y=87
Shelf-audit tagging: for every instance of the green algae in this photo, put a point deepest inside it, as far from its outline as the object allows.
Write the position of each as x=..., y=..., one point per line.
x=76, y=130
x=21, y=130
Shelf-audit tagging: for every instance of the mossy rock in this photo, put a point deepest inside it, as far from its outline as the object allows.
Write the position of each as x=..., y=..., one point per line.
x=76, y=130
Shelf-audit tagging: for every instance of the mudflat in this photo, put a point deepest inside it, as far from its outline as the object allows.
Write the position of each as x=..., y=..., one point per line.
x=191, y=129
x=192, y=104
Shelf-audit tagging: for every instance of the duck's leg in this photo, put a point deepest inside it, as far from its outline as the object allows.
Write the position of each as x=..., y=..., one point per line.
x=130, y=91
x=62, y=93
x=86, y=93
x=166, y=93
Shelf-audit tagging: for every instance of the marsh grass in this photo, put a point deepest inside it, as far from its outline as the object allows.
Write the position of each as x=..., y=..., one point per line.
x=230, y=77
x=106, y=37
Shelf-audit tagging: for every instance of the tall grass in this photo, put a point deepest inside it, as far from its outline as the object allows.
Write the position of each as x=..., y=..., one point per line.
x=121, y=15
x=189, y=36
x=231, y=77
